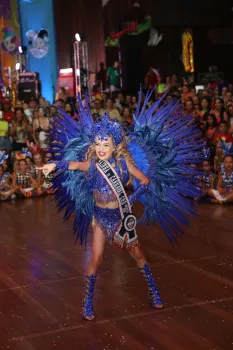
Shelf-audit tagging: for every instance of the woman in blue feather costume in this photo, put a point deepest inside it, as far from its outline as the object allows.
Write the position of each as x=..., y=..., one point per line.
x=94, y=160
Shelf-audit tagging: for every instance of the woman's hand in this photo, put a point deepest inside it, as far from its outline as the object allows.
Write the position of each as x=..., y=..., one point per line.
x=47, y=168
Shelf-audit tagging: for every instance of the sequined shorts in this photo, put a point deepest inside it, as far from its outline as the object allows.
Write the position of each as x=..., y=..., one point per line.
x=108, y=220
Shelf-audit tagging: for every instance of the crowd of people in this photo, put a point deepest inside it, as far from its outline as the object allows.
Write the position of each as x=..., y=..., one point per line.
x=23, y=134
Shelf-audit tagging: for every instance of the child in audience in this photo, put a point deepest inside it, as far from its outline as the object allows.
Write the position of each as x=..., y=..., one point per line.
x=207, y=182
x=224, y=191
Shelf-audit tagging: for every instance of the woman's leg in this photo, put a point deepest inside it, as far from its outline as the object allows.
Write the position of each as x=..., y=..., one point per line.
x=98, y=244
x=144, y=268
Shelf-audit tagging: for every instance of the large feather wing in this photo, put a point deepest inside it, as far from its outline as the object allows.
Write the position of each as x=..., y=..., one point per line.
x=72, y=189
x=166, y=145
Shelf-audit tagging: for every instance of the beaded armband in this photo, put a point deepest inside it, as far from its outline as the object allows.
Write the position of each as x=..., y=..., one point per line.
x=139, y=191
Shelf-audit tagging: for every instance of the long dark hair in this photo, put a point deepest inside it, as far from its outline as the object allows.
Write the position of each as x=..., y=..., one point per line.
x=215, y=124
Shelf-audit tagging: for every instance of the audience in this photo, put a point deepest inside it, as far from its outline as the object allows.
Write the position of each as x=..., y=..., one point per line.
x=23, y=134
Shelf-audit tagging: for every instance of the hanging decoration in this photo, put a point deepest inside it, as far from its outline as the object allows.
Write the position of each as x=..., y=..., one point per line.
x=10, y=41
x=130, y=28
x=187, y=54
x=38, y=43
x=155, y=37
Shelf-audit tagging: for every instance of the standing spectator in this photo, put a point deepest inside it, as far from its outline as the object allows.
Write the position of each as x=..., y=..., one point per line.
x=101, y=76
x=40, y=128
x=6, y=108
x=113, y=77
x=5, y=142
x=20, y=131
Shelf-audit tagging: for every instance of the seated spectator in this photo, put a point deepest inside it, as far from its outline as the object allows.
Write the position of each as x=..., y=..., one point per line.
x=224, y=191
x=127, y=116
x=20, y=131
x=6, y=189
x=223, y=134
x=210, y=129
x=207, y=182
x=218, y=158
x=205, y=107
x=23, y=181
x=69, y=109
x=97, y=110
x=219, y=110
x=113, y=113
x=40, y=128
x=5, y=141
x=189, y=107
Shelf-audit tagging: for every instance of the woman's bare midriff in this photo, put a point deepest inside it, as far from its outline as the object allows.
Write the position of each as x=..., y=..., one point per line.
x=109, y=205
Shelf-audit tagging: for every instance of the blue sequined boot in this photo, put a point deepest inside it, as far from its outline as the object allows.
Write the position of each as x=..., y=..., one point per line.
x=153, y=290
x=87, y=310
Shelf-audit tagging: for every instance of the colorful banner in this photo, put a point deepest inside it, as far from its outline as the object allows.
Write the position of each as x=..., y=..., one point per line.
x=9, y=40
x=38, y=35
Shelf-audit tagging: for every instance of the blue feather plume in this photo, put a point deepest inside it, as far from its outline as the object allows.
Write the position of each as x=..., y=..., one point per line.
x=167, y=147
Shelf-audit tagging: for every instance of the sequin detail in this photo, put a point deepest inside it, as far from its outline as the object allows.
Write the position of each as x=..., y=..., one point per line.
x=108, y=220
x=87, y=308
x=153, y=289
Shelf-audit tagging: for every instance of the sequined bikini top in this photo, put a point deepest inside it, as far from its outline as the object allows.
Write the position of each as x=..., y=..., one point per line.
x=102, y=192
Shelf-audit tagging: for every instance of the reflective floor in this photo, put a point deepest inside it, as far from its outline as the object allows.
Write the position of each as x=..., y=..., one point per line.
x=41, y=285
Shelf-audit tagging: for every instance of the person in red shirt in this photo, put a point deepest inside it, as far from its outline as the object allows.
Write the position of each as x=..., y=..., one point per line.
x=8, y=114
x=223, y=134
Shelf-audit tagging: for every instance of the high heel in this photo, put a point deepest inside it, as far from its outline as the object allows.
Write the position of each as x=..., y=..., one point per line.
x=87, y=309
x=153, y=291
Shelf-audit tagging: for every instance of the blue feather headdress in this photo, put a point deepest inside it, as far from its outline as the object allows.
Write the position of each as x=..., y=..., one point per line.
x=3, y=156
x=106, y=127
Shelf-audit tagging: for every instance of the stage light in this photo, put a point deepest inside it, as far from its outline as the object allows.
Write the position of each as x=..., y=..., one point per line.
x=17, y=66
x=77, y=37
x=78, y=72
x=66, y=70
x=20, y=49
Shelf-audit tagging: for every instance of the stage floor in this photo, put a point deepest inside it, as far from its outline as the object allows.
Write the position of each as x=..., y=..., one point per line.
x=41, y=285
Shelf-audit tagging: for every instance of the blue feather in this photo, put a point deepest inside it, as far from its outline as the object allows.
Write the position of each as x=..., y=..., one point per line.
x=164, y=144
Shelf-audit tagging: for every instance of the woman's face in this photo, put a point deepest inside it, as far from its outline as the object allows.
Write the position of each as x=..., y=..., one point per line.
x=109, y=104
x=204, y=103
x=218, y=104
x=41, y=112
x=134, y=100
x=128, y=99
x=196, y=100
x=68, y=108
x=104, y=148
x=29, y=162
x=35, y=114
x=210, y=120
x=126, y=113
x=218, y=150
x=48, y=157
x=22, y=166
x=37, y=159
x=228, y=163
x=19, y=115
x=185, y=90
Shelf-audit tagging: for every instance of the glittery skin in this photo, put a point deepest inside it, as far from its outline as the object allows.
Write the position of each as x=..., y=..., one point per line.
x=153, y=290
x=87, y=309
x=106, y=218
